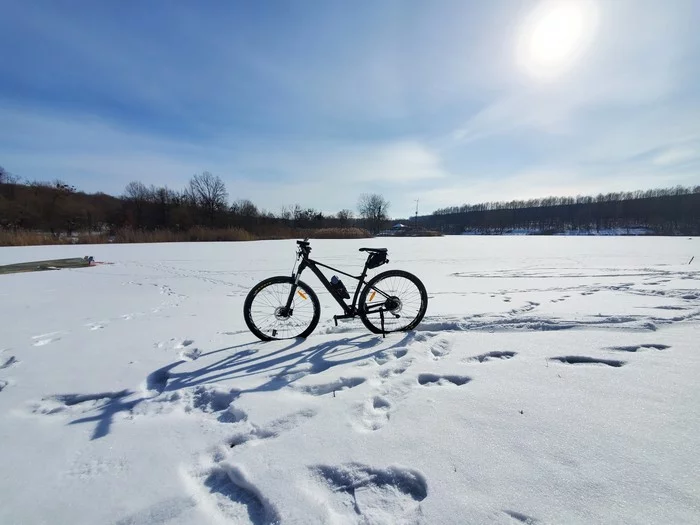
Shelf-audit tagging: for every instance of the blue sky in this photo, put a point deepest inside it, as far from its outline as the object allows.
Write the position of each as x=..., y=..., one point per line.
x=316, y=102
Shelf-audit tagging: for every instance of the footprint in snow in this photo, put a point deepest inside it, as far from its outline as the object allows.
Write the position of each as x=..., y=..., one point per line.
x=397, y=371
x=374, y=413
x=235, y=498
x=522, y=518
x=10, y=361
x=333, y=387
x=191, y=355
x=271, y=430
x=440, y=348
x=208, y=399
x=434, y=379
x=637, y=348
x=488, y=356
x=215, y=400
x=389, y=355
x=585, y=360
x=129, y=317
x=158, y=379
x=45, y=339
x=364, y=494
x=44, y=342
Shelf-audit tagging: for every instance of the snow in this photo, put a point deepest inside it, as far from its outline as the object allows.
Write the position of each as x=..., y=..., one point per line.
x=582, y=232
x=553, y=380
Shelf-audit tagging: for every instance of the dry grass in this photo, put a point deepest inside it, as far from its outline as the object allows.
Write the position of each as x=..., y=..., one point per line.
x=426, y=233
x=337, y=233
x=281, y=231
x=27, y=238
x=196, y=234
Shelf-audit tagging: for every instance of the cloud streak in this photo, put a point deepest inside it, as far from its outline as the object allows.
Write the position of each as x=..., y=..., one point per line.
x=316, y=106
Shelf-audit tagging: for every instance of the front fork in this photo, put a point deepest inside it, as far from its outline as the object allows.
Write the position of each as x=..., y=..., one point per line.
x=293, y=290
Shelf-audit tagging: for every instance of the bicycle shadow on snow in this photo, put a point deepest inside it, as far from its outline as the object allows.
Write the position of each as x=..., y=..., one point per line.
x=284, y=364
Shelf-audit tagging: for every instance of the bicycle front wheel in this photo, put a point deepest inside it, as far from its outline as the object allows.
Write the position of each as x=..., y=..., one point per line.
x=396, y=296
x=265, y=309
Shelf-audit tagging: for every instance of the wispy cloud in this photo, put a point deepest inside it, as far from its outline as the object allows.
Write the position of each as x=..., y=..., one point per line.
x=318, y=105
x=678, y=155
x=325, y=174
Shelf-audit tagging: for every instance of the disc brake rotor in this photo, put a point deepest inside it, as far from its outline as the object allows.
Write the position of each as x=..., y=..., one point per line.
x=394, y=305
x=282, y=314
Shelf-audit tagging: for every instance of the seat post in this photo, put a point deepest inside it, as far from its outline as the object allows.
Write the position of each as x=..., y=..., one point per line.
x=364, y=272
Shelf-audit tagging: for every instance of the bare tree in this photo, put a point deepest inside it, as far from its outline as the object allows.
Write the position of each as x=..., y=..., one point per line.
x=345, y=216
x=63, y=186
x=164, y=200
x=136, y=191
x=137, y=194
x=246, y=212
x=373, y=208
x=245, y=208
x=209, y=192
x=285, y=213
x=6, y=177
x=297, y=214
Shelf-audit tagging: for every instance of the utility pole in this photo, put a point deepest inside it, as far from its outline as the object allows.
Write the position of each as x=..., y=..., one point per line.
x=417, y=213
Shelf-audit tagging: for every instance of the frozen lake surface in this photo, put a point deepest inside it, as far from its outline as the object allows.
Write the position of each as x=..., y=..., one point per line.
x=553, y=380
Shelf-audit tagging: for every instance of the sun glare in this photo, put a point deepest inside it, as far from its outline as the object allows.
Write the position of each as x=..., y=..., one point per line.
x=554, y=36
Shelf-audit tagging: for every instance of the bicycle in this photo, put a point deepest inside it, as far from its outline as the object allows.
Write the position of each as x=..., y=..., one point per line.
x=284, y=307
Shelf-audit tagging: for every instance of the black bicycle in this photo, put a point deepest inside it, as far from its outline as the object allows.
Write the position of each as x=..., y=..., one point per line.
x=285, y=307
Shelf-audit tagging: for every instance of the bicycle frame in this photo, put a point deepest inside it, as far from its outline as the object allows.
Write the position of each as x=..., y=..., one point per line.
x=350, y=310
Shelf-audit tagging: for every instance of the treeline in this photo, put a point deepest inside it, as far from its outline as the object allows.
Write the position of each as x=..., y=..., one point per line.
x=59, y=209
x=670, y=211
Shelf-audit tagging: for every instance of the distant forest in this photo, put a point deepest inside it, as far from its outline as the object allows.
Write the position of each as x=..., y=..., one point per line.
x=149, y=213
x=202, y=211
x=671, y=211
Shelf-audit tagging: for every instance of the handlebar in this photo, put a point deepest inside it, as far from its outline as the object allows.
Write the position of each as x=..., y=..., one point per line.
x=304, y=247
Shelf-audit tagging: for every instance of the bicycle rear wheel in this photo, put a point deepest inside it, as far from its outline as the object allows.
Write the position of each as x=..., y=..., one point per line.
x=265, y=310
x=396, y=296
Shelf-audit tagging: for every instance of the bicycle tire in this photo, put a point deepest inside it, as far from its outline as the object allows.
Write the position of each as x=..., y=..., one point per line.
x=271, y=330
x=373, y=321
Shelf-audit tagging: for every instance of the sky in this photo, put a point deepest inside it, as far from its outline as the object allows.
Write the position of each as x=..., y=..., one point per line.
x=445, y=102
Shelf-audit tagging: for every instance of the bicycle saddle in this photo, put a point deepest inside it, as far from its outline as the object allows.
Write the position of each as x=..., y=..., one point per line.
x=374, y=250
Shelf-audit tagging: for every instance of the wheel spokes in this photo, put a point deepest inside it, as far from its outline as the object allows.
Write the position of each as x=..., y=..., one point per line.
x=399, y=300
x=268, y=312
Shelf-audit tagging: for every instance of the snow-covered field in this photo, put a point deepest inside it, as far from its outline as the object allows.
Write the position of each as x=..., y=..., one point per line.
x=553, y=380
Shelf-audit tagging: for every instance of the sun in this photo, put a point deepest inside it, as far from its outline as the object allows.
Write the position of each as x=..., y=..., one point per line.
x=554, y=36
